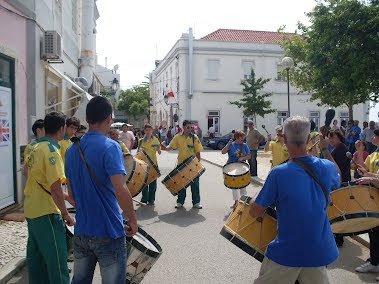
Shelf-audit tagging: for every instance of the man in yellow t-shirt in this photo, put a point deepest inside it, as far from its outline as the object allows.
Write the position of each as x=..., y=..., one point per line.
x=44, y=207
x=114, y=135
x=188, y=145
x=72, y=125
x=277, y=147
x=151, y=145
x=38, y=131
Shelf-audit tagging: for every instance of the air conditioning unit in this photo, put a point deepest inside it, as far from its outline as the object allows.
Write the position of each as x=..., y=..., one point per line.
x=51, y=46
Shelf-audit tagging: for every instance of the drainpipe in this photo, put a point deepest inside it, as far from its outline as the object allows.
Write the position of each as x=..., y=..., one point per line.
x=190, y=61
x=87, y=58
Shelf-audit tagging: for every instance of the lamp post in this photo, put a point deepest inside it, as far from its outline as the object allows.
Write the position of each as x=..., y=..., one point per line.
x=287, y=63
x=114, y=87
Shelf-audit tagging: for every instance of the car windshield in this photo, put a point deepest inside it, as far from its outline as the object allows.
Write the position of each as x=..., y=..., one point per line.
x=227, y=135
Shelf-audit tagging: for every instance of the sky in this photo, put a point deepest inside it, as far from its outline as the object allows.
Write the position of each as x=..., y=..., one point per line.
x=133, y=34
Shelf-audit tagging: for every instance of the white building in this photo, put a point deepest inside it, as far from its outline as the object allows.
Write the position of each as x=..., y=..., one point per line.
x=47, y=62
x=204, y=75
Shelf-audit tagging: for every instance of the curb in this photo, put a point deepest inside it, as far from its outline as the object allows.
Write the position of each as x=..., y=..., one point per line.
x=12, y=268
x=260, y=182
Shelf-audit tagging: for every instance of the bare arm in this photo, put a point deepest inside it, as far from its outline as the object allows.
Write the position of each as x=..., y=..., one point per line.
x=58, y=197
x=226, y=148
x=267, y=145
x=197, y=154
x=327, y=155
x=125, y=201
x=256, y=210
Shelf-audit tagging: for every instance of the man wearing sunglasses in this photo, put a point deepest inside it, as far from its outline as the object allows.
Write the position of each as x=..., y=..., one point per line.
x=188, y=144
x=277, y=147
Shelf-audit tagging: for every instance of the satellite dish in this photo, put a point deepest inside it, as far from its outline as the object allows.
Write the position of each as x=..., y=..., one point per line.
x=115, y=68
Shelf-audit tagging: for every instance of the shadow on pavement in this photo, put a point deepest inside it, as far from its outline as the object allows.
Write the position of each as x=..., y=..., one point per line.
x=146, y=212
x=349, y=259
x=182, y=217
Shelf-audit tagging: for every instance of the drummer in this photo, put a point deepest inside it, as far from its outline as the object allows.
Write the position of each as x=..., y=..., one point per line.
x=114, y=135
x=188, y=145
x=150, y=144
x=237, y=152
x=72, y=125
x=278, y=149
x=369, y=169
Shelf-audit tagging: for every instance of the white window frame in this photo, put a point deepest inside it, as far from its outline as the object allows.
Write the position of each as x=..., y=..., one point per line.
x=279, y=77
x=213, y=67
x=215, y=116
x=315, y=116
x=246, y=68
x=280, y=118
x=344, y=115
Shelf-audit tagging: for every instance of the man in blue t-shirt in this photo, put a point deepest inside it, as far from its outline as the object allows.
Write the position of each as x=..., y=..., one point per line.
x=99, y=231
x=353, y=134
x=237, y=152
x=305, y=243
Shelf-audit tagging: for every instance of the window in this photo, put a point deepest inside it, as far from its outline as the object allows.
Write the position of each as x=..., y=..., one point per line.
x=52, y=98
x=245, y=122
x=247, y=66
x=279, y=75
x=74, y=15
x=214, y=120
x=5, y=73
x=315, y=116
x=344, y=115
x=213, y=66
x=73, y=103
x=282, y=115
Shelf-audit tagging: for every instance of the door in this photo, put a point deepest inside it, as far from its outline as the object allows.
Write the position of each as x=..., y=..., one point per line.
x=7, y=169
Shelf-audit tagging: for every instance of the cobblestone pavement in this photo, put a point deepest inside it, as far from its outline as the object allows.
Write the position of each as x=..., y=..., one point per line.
x=13, y=236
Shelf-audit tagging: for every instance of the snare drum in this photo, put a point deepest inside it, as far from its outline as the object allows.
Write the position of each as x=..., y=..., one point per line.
x=154, y=172
x=183, y=175
x=137, y=173
x=236, y=175
x=142, y=251
x=252, y=235
x=353, y=209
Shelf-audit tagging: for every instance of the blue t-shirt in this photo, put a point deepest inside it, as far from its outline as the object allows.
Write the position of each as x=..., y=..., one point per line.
x=353, y=138
x=236, y=151
x=97, y=210
x=304, y=238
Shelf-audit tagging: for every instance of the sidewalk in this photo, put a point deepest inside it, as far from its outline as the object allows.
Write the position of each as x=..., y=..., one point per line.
x=215, y=157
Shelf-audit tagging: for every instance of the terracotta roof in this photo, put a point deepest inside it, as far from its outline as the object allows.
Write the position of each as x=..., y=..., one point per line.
x=243, y=36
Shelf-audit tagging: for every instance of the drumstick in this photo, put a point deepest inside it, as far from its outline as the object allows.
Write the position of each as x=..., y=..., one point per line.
x=139, y=202
x=264, y=127
x=350, y=157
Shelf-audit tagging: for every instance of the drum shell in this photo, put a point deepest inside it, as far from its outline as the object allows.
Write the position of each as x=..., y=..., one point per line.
x=183, y=175
x=154, y=172
x=252, y=235
x=353, y=209
x=137, y=172
x=236, y=181
x=140, y=258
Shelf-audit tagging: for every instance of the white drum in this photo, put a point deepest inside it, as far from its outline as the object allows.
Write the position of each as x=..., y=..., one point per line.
x=236, y=175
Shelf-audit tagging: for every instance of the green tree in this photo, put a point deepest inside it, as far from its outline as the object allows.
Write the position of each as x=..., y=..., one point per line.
x=135, y=101
x=337, y=56
x=253, y=101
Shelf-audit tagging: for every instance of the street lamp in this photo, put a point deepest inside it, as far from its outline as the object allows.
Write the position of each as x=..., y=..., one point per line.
x=287, y=63
x=115, y=84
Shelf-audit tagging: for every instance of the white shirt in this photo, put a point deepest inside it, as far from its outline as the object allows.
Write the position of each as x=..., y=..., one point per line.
x=211, y=129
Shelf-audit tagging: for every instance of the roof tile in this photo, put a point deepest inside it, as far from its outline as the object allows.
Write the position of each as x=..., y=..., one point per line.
x=243, y=36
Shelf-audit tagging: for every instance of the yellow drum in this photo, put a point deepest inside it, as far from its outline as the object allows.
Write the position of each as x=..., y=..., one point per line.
x=353, y=209
x=154, y=172
x=137, y=173
x=183, y=175
x=236, y=175
x=252, y=235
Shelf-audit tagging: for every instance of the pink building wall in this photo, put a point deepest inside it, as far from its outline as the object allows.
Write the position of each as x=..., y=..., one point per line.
x=13, y=44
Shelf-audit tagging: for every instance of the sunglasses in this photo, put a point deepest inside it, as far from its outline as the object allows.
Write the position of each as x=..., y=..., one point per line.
x=280, y=135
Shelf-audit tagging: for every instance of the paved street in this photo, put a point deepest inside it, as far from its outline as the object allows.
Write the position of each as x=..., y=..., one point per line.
x=193, y=250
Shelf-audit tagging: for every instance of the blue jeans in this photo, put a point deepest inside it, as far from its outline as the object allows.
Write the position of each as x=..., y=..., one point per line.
x=109, y=252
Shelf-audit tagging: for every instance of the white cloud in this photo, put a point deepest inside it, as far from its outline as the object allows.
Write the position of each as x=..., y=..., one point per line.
x=135, y=33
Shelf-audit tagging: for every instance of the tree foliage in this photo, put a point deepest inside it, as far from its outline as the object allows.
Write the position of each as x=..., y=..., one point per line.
x=337, y=56
x=253, y=101
x=135, y=101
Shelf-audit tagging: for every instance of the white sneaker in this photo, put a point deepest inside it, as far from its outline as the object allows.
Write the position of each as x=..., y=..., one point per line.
x=178, y=205
x=198, y=206
x=367, y=267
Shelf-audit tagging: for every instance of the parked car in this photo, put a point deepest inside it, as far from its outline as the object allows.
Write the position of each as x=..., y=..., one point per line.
x=217, y=143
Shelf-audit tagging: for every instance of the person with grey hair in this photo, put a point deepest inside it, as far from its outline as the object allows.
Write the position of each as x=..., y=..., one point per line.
x=301, y=203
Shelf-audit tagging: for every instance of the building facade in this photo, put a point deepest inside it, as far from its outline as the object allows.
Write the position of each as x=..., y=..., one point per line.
x=198, y=78
x=32, y=82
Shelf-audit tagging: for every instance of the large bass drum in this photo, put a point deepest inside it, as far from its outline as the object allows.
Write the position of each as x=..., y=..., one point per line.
x=137, y=173
x=154, y=172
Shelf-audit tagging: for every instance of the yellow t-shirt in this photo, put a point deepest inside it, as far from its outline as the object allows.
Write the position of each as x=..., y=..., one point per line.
x=64, y=144
x=45, y=166
x=187, y=146
x=28, y=150
x=372, y=162
x=151, y=147
x=124, y=149
x=279, y=152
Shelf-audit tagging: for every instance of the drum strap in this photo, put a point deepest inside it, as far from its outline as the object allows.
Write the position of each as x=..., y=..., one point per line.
x=93, y=176
x=307, y=169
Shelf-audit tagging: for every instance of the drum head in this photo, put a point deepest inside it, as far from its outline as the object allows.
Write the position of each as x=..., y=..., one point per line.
x=145, y=243
x=70, y=229
x=236, y=169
